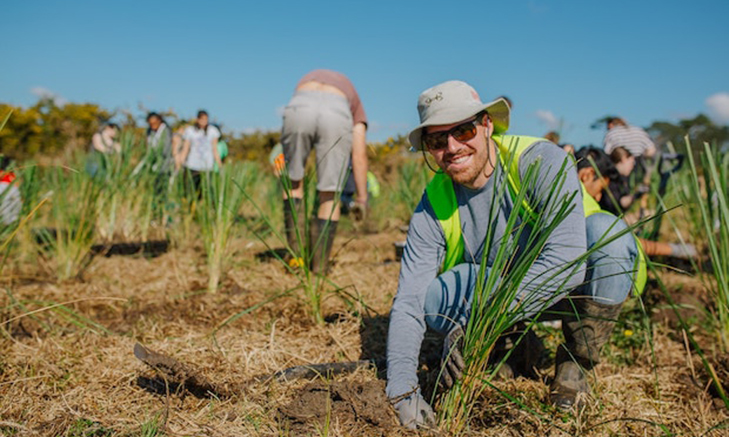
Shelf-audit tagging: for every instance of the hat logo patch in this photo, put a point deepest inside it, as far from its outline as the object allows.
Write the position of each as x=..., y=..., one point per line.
x=437, y=96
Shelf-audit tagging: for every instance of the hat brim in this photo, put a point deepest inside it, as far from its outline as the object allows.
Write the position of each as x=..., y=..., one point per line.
x=498, y=111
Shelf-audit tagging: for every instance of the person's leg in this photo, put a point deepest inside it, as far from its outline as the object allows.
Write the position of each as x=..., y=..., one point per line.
x=448, y=300
x=591, y=311
x=448, y=305
x=299, y=130
x=333, y=150
x=611, y=264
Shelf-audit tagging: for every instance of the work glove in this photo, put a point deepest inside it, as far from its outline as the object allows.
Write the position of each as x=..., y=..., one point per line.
x=414, y=412
x=684, y=251
x=452, y=363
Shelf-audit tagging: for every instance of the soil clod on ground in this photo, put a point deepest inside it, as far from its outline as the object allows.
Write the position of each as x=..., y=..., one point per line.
x=343, y=406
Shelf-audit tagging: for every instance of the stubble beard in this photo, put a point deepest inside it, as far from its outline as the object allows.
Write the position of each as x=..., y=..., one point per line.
x=468, y=176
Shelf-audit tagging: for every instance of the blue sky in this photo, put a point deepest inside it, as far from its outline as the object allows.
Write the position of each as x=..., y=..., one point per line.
x=561, y=62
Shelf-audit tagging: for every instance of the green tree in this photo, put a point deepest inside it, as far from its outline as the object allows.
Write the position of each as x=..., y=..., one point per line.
x=699, y=129
x=46, y=128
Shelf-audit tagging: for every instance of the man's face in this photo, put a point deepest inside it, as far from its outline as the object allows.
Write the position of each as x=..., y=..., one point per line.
x=593, y=184
x=154, y=123
x=465, y=161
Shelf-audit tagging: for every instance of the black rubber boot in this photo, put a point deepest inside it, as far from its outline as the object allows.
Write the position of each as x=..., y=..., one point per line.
x=321, y=238
x=294, y=228
x=585, y=334
x=523, y=359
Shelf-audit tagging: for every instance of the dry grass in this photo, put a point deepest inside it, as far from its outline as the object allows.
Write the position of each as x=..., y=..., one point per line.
x=59, y=378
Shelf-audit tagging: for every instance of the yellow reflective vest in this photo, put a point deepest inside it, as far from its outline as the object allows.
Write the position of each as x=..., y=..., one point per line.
x=442, y=198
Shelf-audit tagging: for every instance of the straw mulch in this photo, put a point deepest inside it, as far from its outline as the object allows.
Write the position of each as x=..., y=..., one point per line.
x=71, y=370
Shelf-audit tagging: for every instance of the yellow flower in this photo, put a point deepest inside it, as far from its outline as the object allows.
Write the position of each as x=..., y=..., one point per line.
x=296, y=262
x=628, y=332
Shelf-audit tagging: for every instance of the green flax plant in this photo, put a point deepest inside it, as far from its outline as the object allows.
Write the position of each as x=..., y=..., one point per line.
x=493, y=308
x=71, y=218
x=222, y=197
x=709, y=200
x=299, y=263
x=413, y=177
x=131, y=193
x=316, y=288
x=181, y=208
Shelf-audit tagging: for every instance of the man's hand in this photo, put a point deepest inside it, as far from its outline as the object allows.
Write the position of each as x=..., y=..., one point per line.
x=414, y=412
x=452, y=363
x=359, y=211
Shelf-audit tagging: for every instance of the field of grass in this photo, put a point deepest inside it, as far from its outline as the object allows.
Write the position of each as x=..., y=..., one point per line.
x=217, y=301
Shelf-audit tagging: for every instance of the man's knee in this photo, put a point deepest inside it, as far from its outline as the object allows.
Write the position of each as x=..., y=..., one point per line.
x=448, y=299
x=610, y=235
x=612, y=259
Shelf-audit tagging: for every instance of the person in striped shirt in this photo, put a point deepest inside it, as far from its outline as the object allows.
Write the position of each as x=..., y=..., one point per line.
x=632, y=138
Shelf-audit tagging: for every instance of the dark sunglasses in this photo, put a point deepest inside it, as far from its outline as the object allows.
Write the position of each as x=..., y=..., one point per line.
x=463, y=132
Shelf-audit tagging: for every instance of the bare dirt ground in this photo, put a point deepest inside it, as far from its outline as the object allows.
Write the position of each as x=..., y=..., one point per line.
x=73, y=373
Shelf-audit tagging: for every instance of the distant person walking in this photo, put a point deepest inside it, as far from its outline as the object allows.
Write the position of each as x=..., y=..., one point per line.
x=199, y=152
x=104, y=141
x=159, y=144
x=103, y=145
x=325, y=114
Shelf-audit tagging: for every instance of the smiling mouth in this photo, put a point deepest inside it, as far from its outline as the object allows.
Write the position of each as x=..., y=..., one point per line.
x=458, y=160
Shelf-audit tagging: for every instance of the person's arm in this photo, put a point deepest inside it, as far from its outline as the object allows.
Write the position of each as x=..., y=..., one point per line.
x=422, y=257
x=649, y=150
x=97, y=143
x=182, y=156
x=175, y=145
x=216, y=153
x=554, y=271
x=359, y=161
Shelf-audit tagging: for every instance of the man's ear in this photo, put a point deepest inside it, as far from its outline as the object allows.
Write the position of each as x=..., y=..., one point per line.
x=487, y=124
x=486, y=120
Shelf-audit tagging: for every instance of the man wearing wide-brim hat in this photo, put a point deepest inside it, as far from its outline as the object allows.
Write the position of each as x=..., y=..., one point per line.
x=481, y=173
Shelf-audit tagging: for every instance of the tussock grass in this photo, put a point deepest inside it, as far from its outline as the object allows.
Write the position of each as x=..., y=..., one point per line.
x=222, y=197
x=67, y=366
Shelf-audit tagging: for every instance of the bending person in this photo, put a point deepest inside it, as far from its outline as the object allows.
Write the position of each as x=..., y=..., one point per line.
x=325, y=114
x=598, y=174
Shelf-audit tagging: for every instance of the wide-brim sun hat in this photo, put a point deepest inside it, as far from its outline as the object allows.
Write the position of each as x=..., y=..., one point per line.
x=454, y=101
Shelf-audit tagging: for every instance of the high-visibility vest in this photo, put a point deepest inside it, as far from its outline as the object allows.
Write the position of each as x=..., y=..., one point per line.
x=442, y=198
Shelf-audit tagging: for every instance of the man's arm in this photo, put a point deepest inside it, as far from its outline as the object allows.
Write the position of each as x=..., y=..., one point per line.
x=421, y=260
x=359, y=161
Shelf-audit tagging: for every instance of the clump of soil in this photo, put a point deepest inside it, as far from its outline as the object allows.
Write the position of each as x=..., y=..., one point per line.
x=357, y=408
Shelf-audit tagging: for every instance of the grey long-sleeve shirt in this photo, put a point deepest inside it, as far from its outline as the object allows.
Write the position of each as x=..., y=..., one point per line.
x=426, y=246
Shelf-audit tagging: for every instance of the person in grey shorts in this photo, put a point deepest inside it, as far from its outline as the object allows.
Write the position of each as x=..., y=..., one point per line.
x=325, y=115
